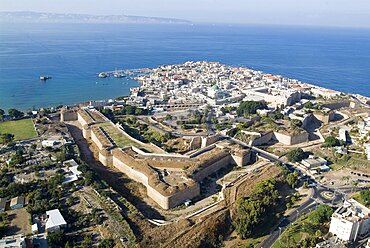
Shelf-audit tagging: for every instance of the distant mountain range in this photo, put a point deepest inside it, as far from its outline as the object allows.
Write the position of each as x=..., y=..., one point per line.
x=40, y=17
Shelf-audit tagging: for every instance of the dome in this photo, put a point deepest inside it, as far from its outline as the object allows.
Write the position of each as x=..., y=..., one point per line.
x=215, y=87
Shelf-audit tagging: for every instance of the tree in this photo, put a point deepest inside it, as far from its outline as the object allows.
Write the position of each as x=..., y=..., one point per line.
x=2, y=113
x=331, y=141
x=106, y=243
x=139, y=111
x=250, y=107
x=296, y=123
x=296, y=155
x=305, y=185
x=15, y=114
x=6, y=138
x=365, y=197
x=130, y=110
x=17, y=157
x=108, y=113
x=87, y=241
x=321, y=214
x=292, y=179
x=252, y=211
x=309, y=105
x=55, y=239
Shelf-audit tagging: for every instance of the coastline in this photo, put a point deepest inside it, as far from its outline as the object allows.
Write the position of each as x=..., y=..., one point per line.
x=77, y=54
x=141, y=71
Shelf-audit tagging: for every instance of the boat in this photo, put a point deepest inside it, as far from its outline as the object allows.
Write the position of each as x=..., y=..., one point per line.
x=102, y=75
x=44, y=78
x=116, y=74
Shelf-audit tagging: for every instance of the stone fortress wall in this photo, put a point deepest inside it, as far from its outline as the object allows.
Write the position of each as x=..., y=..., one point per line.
x=286, y=139
x=147, y=168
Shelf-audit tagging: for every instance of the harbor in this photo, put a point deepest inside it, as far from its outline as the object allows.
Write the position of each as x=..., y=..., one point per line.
x=130, y=73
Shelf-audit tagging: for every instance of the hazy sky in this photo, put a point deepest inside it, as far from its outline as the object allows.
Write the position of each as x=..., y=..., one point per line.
x=301, y=12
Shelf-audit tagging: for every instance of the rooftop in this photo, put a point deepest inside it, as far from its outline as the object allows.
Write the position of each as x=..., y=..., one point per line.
x=55, y=219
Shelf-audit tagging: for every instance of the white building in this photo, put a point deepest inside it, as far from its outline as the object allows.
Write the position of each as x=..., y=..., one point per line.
x=350, y=221
x=55, y=221
x=16, y=241
x=343, y=131
x=51, y=143
x=367, y=150
x=314, y=162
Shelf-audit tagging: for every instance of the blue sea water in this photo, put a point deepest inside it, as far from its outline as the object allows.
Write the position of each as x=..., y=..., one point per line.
x=73, y=53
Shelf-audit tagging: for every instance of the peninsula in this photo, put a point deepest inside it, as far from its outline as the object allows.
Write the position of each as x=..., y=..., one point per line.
x=200, y=154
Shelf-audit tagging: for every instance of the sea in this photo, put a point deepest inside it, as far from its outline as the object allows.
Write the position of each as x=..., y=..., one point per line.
x=73, y=54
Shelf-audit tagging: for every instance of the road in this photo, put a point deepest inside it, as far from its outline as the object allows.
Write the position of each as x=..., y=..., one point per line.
x=316, y=198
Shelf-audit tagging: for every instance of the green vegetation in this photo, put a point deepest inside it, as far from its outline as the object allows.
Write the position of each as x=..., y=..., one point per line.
x=106, y=243
x=307, y=231
x=363, y=197
x=126, y=110
x=305, y=185
x=21, y=129
x=250, y=107
x=222, y=126
x=55, y=239
x=143, y=133
x=156, y=137
x=292, y=179
x=295, y=123
x=2, y=113
x=119, y=138
x=331, y=141
x=6, y=138
x=4, y=223
x=310, y=105
x=196, y=118
x=228, y=109
x=321, y=214
x=17, y=158
x=254, y=211
x=15, y=114
x=295, y=155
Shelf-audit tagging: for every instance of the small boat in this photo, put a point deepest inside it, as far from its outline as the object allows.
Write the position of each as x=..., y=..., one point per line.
x=116, y=74
x=44, y=78
x=102, y=75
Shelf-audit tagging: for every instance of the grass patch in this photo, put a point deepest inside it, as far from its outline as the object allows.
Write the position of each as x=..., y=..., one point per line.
x=302, y=233
x=122, y=140
x=21, y=129
x=252, y=242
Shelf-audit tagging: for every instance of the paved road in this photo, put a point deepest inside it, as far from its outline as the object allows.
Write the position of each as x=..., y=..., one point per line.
x=316, y=198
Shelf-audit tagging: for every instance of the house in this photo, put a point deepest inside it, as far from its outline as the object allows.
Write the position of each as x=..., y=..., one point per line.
x=55, y=221
x=350, y=221
x=16, y=241
x=17, y=202
x=3, y=204
x=315, y=162
x=47, y=143
x=343, y=134
x=73, y=173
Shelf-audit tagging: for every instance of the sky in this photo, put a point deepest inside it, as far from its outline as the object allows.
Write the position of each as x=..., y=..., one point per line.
x=346, y=13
